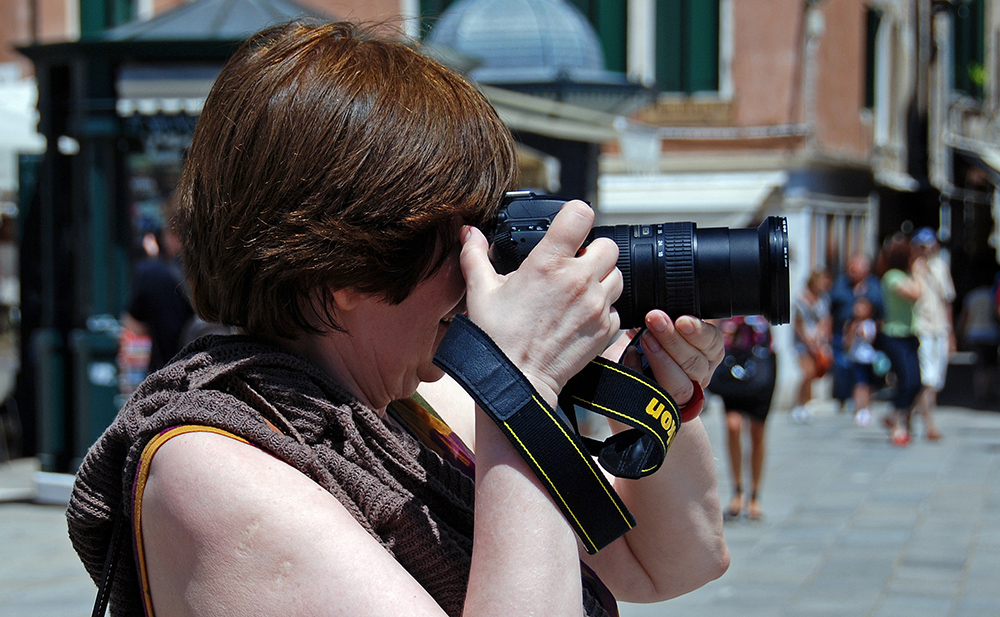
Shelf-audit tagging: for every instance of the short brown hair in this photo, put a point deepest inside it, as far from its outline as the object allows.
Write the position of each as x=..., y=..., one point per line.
x=328, y=158
x=895, y=255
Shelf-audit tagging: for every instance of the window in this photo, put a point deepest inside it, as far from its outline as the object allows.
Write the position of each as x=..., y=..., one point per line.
x=873, y=19
x=970, y=67
x=687, y=41
x=687, y=45
x=609, y=19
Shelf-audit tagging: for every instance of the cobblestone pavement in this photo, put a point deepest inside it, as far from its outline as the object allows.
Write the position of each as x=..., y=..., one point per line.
x=852, y=527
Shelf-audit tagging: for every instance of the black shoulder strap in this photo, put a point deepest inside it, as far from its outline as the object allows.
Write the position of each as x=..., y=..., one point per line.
x=110, y=566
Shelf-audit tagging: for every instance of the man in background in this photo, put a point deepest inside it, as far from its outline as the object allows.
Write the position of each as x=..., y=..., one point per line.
x=932, y=322
x=857, y=281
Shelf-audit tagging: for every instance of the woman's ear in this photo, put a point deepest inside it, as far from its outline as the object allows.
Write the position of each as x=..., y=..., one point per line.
x=345, y=299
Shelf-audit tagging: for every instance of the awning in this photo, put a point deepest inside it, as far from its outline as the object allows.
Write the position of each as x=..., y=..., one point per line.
x=164, y=89
x=542, y=116
x=710, y=199
x=151, y=90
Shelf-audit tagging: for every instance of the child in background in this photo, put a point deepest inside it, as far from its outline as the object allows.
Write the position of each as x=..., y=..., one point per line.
x=859, y=339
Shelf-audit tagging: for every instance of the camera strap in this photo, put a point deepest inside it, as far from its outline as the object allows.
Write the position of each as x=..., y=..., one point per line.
x=632, y=398
x=550, y=443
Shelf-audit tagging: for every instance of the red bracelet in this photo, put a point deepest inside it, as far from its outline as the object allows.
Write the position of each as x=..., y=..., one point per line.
x=693, y=408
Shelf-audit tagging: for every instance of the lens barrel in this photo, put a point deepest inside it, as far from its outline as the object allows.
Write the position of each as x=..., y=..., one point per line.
x=714, y=272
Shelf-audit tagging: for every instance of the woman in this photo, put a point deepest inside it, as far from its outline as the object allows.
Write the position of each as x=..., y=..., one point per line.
x=330, y=209
x=745, y=380
x=900, y=291
x=812, y=324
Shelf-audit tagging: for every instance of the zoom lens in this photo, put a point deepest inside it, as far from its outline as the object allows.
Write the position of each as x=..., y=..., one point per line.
x=710, y=273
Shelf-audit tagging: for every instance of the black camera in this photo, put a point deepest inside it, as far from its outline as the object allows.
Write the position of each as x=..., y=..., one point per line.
x=709, y=273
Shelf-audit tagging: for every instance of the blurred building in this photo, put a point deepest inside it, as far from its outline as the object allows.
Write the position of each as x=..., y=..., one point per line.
x=852, y=118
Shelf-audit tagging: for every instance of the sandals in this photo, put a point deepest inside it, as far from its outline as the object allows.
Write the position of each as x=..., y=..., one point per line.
x=753, y=508
x=735, y=509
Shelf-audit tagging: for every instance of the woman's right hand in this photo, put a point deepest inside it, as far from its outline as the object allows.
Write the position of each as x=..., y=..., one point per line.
x=553, y=314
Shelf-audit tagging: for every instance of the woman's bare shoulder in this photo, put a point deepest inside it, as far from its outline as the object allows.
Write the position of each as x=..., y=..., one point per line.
x=228, y=528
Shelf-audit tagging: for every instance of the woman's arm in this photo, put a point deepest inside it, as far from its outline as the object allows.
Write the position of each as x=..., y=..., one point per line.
x=550, y=317
x=230, y=530
x=678, y=544
x=850, y=327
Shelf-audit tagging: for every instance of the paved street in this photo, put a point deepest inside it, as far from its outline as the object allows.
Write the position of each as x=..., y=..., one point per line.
x=856, y=527
x=852, y=527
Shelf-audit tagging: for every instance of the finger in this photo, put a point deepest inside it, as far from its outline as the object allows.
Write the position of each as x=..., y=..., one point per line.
x=568, y=230
x=699, y=333
x=603, y=253
x=664, y=337
x=475, y=259
x=666, y=369
x=613, y=284
x=632, y=359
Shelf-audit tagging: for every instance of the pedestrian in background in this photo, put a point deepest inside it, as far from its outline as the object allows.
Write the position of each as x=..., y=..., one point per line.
x=900, y=292
x=158, y=305
x=857, y=281
x=980, y=332
x=812, y=323
x=859, y=337
x=932, y=323
x=745, y=381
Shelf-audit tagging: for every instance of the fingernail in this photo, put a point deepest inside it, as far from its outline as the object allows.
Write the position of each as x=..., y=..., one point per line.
x=686, y=326
x=658, y=323
x=466, y=232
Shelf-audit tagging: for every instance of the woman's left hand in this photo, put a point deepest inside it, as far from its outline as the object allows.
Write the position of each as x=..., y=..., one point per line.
x=679, y=543
x=678, y=352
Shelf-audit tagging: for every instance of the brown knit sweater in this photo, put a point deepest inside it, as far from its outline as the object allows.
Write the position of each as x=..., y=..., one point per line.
x=417, y=506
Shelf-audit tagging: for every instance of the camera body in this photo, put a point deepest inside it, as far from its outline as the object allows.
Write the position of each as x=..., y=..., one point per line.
x=709, y=273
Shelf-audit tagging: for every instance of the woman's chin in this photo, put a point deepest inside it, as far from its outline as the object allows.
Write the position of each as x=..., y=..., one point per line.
x=431, y=374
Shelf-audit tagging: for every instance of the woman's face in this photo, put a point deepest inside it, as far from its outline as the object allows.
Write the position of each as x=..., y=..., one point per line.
x=397, y=342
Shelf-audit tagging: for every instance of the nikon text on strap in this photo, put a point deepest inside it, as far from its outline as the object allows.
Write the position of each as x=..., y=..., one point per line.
x=556, y=453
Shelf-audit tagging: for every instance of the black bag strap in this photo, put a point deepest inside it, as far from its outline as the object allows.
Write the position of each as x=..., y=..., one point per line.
x=553, y=449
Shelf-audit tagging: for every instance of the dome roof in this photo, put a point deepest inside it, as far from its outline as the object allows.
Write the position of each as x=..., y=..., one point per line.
x=213, y=19
x=522, y=40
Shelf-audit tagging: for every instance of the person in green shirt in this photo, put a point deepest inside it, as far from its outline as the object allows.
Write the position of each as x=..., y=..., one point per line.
x=900, y=291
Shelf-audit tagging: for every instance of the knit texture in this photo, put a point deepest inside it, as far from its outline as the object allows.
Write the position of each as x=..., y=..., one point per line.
x=419, y=507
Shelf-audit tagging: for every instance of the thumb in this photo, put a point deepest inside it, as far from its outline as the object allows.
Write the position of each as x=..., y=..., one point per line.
x=475, y=260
